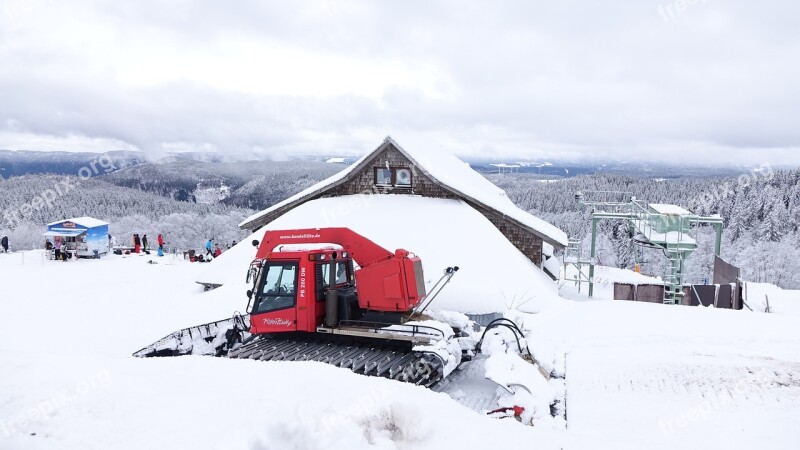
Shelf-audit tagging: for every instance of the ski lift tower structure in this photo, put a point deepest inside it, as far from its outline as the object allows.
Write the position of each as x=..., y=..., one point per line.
x=654, y=225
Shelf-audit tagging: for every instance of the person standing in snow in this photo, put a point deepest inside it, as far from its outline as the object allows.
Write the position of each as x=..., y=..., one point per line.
x=57, y=247
x=144, y=243
x=137, y=243
x=4, y=243
x=209, y=248
x=160, y=241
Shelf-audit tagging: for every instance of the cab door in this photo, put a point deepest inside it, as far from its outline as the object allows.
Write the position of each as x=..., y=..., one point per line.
x=275, y=305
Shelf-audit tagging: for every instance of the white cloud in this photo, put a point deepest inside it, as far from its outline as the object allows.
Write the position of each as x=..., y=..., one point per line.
x=714, y=82
x=67, y=142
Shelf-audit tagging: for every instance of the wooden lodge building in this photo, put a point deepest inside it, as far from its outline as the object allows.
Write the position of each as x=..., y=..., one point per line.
x=390, y=169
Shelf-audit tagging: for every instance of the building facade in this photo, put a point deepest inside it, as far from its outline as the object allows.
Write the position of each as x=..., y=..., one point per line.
x=390, y=169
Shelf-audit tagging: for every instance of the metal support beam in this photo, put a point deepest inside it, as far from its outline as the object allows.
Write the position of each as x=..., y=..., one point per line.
x=718, y=242
x=592, y=256
x=607, y=205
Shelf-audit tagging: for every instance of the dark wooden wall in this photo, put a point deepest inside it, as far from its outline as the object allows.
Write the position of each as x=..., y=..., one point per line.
x=363, y=182
x=718, y=296
x=726, y=273
x=529, y=244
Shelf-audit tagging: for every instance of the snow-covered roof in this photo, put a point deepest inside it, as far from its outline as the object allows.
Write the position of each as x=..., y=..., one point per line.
x=63, y=232
x=672, y=210
x=451, y=173
x=88, y=222
x=493, y=273
x=670, y=237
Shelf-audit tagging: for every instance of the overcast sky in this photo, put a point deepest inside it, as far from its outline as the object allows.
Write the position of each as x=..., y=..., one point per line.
x=703, y=80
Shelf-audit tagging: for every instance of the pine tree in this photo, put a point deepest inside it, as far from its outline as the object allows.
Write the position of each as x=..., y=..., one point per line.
x=623, y=245
x=776, y=220
x=737, y=223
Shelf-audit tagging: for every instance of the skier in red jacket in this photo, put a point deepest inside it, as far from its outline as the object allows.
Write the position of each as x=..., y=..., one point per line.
x=160, y=241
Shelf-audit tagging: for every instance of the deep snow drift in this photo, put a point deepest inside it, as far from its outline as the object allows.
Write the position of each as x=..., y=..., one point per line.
x=493, y=275
x=68, y=381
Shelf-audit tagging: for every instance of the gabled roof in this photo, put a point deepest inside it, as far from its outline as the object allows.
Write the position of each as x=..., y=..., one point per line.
x=447, y=171
x=88, y=222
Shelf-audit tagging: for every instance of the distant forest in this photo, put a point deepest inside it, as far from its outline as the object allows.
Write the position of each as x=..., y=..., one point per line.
x=187, y=201
x=184, y=225
x=761, y=211
x=190, y=201
x=253, y=185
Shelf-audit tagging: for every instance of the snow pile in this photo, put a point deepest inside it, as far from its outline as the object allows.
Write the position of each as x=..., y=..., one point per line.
x=546, y=354
x=449, y=350
x=493, y=275
x=453, y=172
x=444, y=345
x=454, y=319
x=553, y=265
x=521, y=382
x=525, y=386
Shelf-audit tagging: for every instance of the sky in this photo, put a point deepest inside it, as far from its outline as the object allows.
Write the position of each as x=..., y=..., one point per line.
x=685, y=81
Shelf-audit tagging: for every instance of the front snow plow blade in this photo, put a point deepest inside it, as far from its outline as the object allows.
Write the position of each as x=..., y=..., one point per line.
x=400, y=363
x=212, y=339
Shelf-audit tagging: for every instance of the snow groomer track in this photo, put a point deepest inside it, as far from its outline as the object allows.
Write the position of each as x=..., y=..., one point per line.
x=394, y=362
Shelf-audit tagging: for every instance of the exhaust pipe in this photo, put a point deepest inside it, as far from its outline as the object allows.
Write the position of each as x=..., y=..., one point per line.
x=331, y=297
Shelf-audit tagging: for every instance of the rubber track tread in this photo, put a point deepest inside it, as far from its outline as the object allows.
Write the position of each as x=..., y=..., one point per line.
x=410, y=366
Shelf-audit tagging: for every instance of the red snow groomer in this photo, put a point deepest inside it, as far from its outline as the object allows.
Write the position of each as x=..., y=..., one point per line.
x=334, y=296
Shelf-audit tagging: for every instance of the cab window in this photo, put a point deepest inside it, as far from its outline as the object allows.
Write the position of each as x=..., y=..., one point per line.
x=278, y=288
x=344, y=275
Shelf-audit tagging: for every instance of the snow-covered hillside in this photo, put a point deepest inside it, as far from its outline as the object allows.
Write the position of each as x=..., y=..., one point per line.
x=637, y=375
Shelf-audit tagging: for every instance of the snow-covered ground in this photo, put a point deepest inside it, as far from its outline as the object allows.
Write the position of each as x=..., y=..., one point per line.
x=763, y=297
x=604, y=279
x=67, y=380
x=661, y=376
x=637, y=375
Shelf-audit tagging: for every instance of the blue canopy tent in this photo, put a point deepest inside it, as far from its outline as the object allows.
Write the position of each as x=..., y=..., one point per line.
x=82, y=236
